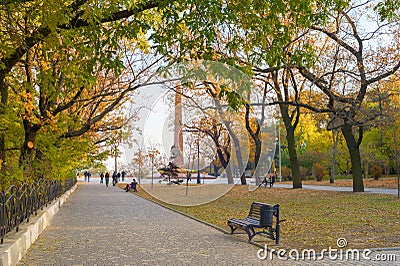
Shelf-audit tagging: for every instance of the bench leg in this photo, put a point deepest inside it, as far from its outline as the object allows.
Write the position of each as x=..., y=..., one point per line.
x=271, y=233
x=250, y=232
x=232, y=228
x=277, y=232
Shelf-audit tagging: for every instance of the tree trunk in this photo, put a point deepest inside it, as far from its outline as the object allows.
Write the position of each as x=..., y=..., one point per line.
x=257, y=155
x=335, y=135
x=3, y=154
x=225, y=164
x=116, y=163
x=28, y=148
x=294, y=163
x=354, y=150
x=3, y=104
x=40, y=164
x=238, y=153
x=229, y=175
x=255, y=136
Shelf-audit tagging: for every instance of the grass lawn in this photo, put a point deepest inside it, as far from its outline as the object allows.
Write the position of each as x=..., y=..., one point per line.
x=313, y=219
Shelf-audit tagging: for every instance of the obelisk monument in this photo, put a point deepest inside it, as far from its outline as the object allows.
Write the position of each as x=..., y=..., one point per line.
x=178, y=134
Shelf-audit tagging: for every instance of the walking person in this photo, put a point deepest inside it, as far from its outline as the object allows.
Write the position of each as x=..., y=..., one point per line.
x=118, y=176
x=101, y=177
x=123, y=175
x=114, y=178
x=107, y=177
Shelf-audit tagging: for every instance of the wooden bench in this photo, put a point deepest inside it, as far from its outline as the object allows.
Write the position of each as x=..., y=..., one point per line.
x=267, y=181
x=261, y=216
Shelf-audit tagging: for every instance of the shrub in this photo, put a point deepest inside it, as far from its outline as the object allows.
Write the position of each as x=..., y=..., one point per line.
x=376, y=171
x=286, y=173
x=303, y=172
x=319, y=171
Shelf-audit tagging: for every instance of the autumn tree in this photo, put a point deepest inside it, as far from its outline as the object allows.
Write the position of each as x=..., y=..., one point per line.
x=351, y=62
x=54, y=58
x=218, y=134
x=250, y=35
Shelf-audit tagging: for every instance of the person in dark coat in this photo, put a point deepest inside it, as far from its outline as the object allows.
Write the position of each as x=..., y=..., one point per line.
x=114, y=178
x=107, y=177
x=132, y=185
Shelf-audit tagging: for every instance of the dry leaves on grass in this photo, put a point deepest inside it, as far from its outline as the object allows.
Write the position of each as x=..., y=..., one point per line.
x=313, y=219
x=369, y=183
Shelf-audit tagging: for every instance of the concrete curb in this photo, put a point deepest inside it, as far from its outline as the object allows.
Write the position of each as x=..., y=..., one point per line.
x=262, y=246
x=203, y=222
x=198, y=220
x=184, y=214
x=17, y=243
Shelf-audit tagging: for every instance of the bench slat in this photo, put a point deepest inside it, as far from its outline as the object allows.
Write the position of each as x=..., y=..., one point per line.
x=260, y=216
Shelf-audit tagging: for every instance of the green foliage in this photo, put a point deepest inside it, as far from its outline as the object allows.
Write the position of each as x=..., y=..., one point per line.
x=388, y=9
x=67, y=44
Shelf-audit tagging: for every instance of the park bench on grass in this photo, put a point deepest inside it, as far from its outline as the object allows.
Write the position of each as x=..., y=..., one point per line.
x=261, y=216
x=268, y=181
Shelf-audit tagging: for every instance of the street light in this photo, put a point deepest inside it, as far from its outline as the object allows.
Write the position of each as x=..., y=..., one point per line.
x=198, y=160
x=395, y=153
x=278, y=139
x=198, y=181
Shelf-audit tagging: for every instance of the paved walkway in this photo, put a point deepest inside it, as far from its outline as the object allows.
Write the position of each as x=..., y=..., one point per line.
x=388, y=191
x=106, y=226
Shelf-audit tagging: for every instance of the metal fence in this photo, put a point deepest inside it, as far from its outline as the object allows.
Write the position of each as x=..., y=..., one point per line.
x=17, y=204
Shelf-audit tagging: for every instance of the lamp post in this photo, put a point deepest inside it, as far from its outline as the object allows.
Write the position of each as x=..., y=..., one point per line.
x=198, y=160
x=395, y=152
x=278, y=139
x=152, y=166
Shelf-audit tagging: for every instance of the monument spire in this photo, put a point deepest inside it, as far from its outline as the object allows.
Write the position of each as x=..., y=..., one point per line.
x=178, y=134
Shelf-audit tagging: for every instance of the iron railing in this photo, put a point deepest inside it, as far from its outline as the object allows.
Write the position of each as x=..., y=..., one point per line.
x=17, y=204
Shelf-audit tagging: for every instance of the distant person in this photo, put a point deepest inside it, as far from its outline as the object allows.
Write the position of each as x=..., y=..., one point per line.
x=123, y=175
x=273, y=178
x=85, y=174
x=88, y=176
x=132, y=185
x=101, y=177
x=118, y=176
x=114, y=178
x=107, y=177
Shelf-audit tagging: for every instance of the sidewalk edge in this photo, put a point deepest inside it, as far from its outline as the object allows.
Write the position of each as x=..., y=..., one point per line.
x=17, y=243
x=198, y=220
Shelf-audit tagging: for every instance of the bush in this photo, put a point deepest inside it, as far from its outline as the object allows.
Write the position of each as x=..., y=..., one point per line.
x=376, y=171
x=303, y=172
x=286, y=173
x=319, y=171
